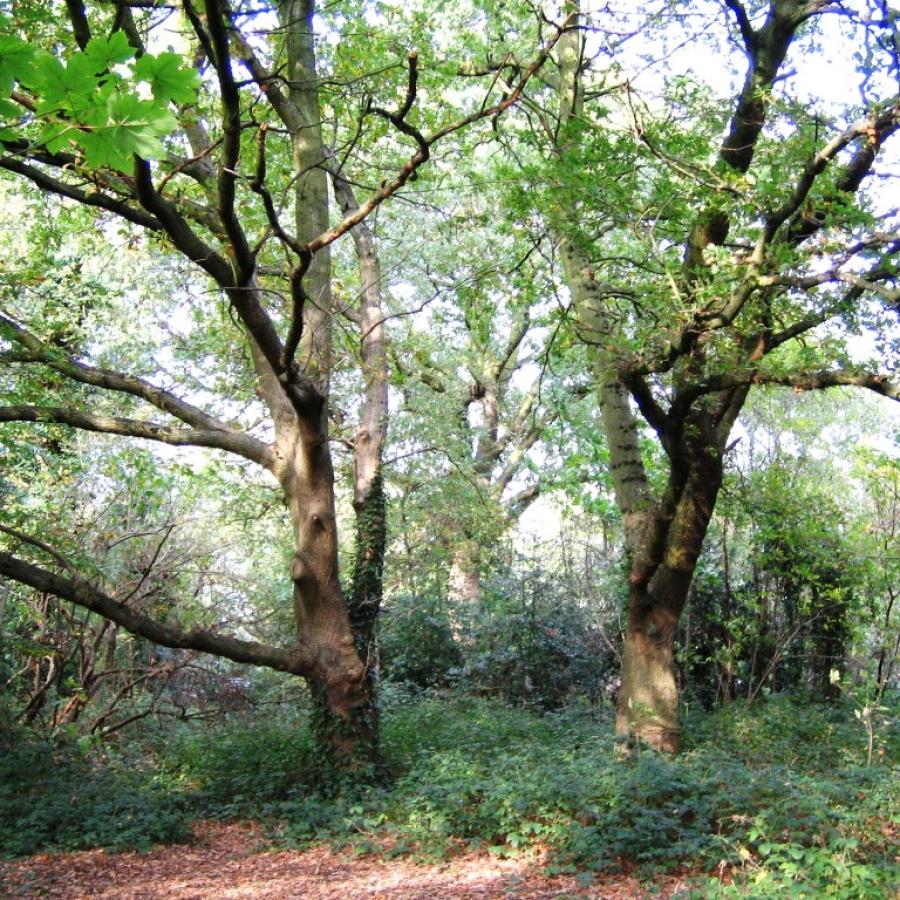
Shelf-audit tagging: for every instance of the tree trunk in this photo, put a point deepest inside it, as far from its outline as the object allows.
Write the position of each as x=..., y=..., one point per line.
x=662, y=568
x=464, y=580
x=344, y=720
x=350, y=743
x=648, y=697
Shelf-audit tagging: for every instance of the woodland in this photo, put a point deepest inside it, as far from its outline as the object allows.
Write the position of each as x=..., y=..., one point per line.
x=453, y=432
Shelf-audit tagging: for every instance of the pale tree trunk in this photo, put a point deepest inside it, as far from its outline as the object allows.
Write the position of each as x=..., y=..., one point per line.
x=354, y=738
x=660, y=555
x=463, y=586
x=343, y=720
x=496, y=461
x=346, y=733
x=464, y=580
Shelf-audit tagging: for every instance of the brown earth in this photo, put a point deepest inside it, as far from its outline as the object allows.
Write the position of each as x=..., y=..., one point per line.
x=230, y=861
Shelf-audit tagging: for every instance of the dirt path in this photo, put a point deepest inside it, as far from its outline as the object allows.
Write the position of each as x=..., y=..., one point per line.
x=229, y=861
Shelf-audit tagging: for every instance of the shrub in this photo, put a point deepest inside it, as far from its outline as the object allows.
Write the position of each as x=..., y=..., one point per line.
x=242, y=767
x=417, y=645
x=776, y=792
x=54, y=797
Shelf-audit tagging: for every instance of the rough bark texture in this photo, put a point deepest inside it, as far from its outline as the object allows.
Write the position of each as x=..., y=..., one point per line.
x=659, y=580
x=304, y=466
x=353, y=740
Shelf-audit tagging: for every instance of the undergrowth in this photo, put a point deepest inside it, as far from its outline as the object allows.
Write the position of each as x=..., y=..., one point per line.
x=776, y=795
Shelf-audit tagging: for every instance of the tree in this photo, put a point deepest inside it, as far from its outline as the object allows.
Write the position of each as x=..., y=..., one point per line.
x=473, y=361
x=700, y=266
x=88, y=111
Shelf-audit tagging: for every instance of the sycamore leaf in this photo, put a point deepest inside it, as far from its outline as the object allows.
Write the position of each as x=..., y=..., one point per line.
x=130, y=110
x=168, y=79
x=107, y=146
x=103, y=53
x=61, y=87
x=55, y=136
x=132, y=126
x=8, y=109
x=16, y=62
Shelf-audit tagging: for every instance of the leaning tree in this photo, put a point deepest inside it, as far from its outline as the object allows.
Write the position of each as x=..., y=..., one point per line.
x=212, y=152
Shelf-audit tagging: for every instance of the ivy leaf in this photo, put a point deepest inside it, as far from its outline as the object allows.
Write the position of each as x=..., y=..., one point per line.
x=168, y=79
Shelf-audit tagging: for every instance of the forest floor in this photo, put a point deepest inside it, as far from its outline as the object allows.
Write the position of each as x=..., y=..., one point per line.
x=232, y=861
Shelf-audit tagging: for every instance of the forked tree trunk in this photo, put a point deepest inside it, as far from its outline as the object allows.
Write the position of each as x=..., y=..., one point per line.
x=350, y=743
x=344, y=718
x=664, y=532
x=659, y=581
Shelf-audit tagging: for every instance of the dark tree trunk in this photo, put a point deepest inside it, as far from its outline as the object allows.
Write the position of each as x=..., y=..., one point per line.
x=662, y=567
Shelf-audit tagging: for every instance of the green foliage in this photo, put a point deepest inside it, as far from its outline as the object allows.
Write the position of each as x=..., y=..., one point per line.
x=90, y=101
x=167, y=78
x=773, y=792
x=416, y=641
x=518, y=644
x=542, y=655
x=236, y=772
x=56, y=797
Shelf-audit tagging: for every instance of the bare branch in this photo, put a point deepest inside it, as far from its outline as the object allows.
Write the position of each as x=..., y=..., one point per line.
x=743, y=22
x=80, y=28
x=422, y=154
x=39, y=544
x=767, y=48
x=77, y=591
x=87, y=197
x=232, y=441
x=231, y=146
x=108, y=379
x=800, y=381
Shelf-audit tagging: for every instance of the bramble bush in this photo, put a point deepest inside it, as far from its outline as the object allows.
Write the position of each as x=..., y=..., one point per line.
x=524, y=650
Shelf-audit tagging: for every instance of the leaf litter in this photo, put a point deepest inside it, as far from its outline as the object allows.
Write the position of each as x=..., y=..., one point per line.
x=232, y=860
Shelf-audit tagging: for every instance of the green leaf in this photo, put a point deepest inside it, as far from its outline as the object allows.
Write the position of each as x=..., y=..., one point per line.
x=16, y=62
x=103, y=53
x=61, y=87
x=55, y=136
x=132, y=126
x=9, y=110
x=167, y=78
